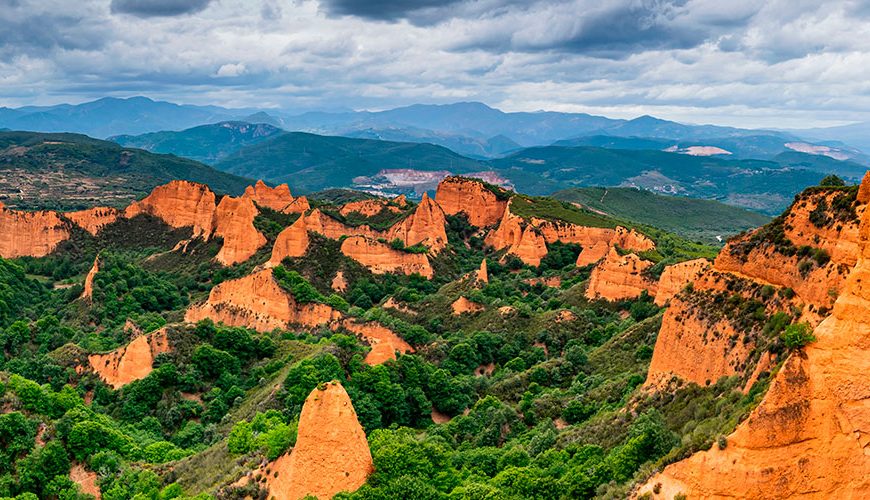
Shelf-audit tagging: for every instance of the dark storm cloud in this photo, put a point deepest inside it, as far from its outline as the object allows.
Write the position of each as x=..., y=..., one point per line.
x=383, y=10
x=158, y=8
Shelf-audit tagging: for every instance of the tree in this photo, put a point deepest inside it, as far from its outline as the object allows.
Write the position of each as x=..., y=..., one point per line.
x=832, y=181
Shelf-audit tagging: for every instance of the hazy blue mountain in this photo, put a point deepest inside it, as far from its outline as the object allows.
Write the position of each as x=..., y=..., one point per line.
x=468, y=145
x=856, y=134
x=205, y=143
x=110, y=116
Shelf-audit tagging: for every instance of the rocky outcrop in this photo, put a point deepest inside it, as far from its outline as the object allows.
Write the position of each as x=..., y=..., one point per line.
x=34, y=234
x=299, y=206
x=482, y=274
x=277, y=198
x=339, y=283
x=675, y=277
x=325, y=225
x=463, y=305
x=459, y=195
x=88, y=291
x=810, y=436
x=520, y=239
x=426, y=226
x=179, y=204
x=380, y=258
x=331, y=453
x=368, y=208
x=131, y=362
x=620, y=277
x=383, y=341
x=234, y=222
x=86, y=479
x=257, y=301
x=587, y=236
x=592, y=254
x=94, y=219
x=291, y=242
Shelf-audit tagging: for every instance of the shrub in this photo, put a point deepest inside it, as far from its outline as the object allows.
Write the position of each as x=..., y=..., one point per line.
x=797, y=335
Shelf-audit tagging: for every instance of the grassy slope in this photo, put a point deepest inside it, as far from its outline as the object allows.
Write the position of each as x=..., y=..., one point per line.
x=692, y=218
x=106, y=171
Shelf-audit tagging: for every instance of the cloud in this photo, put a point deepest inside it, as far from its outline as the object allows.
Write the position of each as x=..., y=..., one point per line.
x=158, y=8
x=389, y=10
x=230, y=70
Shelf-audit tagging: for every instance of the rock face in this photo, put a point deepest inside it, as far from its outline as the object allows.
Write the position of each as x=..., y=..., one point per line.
x=331, y=453
x=277, y=198
x=426, y=226
x=88, y=292
x=619, y=277
x=674, y=278
x=179, y=204
x=257, y=301
x=94, y=219
x=463, y=305
x=321, y=223
x=521, y=239
x=383, y=341
x=810, y=436
x=234, y=222
x=457, y=195
x=291, y=242
x=298, y=206
x=36, y=234
x=132, y=362
x=592, y=254
x=368, y=208
x=482, y=274
x=380, y=258
x=586, y=236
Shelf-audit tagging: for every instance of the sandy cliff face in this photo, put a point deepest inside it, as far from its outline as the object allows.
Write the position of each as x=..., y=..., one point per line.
x=592, y=254
x=234, y=222
x=277, y=198
x=586, y=236
x=88, y=292
x=810, y=436
x=321, y=223
x=521, y=239
x=94, y=219
x=299, y=206
x=482, y=274
x=179, y=204
x=463, y=305
x=674, y=278
x=383, y=341
x=368, y=208
x=257, y=301
x=426, y=225
x=380, y=258
x=131, y=362
x=456, y=195
x=619, y=277
x=36, y=234
x=331, y=453
x=291, y=242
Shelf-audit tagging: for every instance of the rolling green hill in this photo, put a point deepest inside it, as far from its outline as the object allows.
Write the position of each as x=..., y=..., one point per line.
x=312, y=162
x=70, y=171
x=695, y=219
x=206, y=143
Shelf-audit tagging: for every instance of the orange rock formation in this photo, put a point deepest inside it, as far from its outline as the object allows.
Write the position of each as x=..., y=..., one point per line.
x=587, y=236
x=619, y=277
x=299, y=206
x=368, y=208
x=257, y=301
x=88, y=292
x=426, y=225
x=380, y=258
x=592, y=254
x=339, y=284
x=234, y=222
x=482, y=274
x=179, y=204
x=94, y=219
x=463, y=305
x=522, y=240
x=331, y=453
x=34, y=234
x=291, y=242
x=131, y=362
x=457, y=195
x=810, y=436
x=276, y=198
x=86, y=479
x=383, y=341
x=676, y=277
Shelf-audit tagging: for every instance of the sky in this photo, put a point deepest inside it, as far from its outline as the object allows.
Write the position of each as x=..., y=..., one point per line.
x=775, y=63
